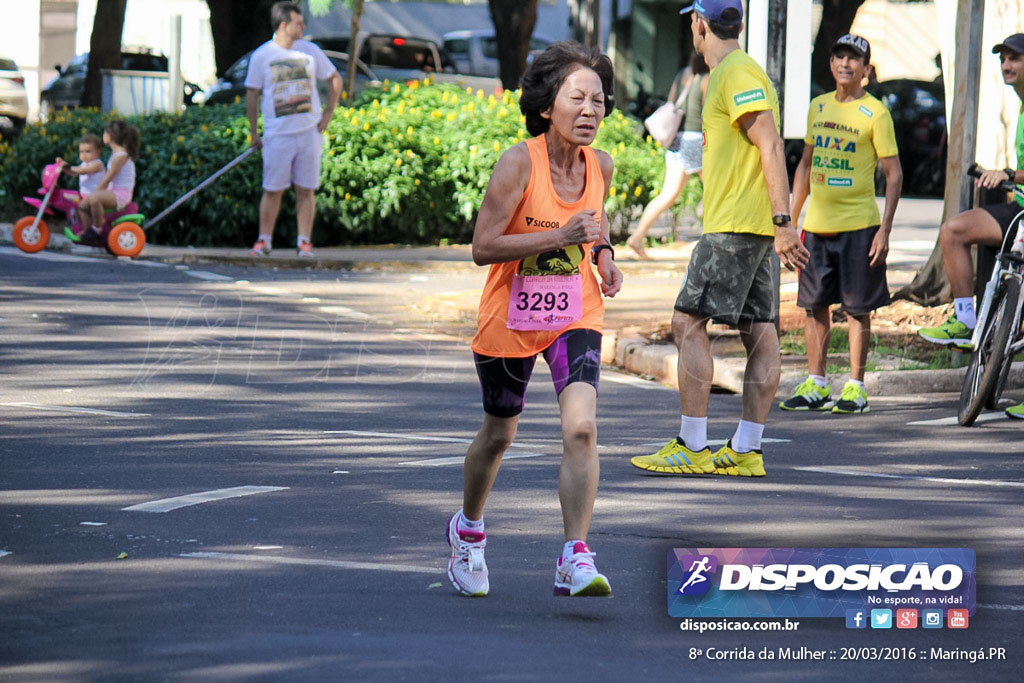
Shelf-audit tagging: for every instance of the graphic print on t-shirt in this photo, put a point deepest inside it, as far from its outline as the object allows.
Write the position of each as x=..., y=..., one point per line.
x=292, y=86
x=564, y=261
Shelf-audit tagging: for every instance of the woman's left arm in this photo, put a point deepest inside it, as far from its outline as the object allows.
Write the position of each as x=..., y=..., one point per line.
x=611, y=276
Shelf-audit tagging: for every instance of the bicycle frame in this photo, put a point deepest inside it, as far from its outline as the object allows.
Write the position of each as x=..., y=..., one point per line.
x=1008, y=264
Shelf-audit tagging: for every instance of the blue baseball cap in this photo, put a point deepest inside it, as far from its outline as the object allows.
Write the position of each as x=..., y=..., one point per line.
x=718, y=11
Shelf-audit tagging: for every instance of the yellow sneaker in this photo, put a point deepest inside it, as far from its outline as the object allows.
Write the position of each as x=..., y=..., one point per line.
x=675, y=458
x=748, y=464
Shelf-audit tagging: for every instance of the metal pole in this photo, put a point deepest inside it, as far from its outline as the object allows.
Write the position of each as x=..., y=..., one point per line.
x=175, y=83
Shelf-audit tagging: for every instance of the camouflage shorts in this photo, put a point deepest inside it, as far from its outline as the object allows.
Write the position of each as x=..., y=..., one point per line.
x=730, y=279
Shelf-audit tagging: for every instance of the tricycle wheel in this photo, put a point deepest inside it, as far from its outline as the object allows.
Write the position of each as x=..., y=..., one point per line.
x=126, y=239
x=28, y=239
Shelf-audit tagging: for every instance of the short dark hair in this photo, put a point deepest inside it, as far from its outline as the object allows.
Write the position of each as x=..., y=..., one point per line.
x=548, y=72
x=281, y=13
x=725, y=31
x=92, y=141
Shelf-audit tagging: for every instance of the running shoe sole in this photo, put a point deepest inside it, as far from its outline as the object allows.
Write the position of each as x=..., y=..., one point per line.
x=598, y=587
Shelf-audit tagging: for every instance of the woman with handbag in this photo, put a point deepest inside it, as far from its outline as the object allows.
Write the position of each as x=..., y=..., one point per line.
x=683, y=156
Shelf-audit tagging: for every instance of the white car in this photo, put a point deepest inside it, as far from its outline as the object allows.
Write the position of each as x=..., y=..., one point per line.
x=13, y=97
x=476, y=52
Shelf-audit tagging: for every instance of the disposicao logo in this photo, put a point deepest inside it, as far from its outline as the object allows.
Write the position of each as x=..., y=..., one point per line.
x=817, y=582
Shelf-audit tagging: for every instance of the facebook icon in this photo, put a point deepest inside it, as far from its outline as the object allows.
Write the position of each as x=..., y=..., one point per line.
x=856, y=618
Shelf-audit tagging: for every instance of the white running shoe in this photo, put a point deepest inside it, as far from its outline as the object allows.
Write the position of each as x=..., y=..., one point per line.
x=466, y=567
x=577, y=575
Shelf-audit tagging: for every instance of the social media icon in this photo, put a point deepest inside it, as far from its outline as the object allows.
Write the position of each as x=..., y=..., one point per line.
x=881, y=618
x=856, y=618
x=931, y=618
x=906, y=618
x=956, y=618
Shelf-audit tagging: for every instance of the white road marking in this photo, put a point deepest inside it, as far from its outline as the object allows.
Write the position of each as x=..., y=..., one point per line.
x=207, y=275
x=1012, y=608
x=952, y=421
x=630, y=380
x=345, y=312
x=337, y=564
x=267, y=547
x=4, y=552
x=458, y=460
x=73, y=409
x=913, y=477
x=718, y=442
x=92, y=523
x=145, y=264
x=415, y=437
x=168, y=504
x=48, y=256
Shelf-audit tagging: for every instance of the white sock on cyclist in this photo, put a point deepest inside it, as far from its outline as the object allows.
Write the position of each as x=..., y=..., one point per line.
x=964, y=307
x=300, y=240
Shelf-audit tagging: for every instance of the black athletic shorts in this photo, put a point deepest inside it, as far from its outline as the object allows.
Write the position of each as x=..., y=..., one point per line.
x=838, y=273
x=1004, y=213
x=574, y=356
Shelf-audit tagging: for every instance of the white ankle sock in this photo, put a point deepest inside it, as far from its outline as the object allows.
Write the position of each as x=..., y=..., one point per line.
x=570, y=547
x=819, y=380
x=470, y=524
x=747, y=436
x=265, y=238
x=693, y=431
x=300, y=240
x=965, y=313
x=858, y=382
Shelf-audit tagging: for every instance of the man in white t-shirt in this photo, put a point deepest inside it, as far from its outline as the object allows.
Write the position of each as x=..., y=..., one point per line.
x=281, y=82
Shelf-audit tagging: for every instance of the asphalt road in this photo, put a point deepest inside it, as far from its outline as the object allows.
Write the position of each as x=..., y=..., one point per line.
x=126, y=384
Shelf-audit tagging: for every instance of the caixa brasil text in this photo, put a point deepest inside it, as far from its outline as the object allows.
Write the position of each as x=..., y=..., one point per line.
x=830, y=577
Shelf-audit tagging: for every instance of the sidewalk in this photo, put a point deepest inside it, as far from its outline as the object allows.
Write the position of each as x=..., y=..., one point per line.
x=644, y=305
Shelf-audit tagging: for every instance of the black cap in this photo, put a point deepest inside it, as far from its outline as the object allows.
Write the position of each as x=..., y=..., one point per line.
x=855, y=43
x=1014, y=43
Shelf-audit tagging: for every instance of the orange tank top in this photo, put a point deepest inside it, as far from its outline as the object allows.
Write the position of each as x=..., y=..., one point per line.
x=541, y=209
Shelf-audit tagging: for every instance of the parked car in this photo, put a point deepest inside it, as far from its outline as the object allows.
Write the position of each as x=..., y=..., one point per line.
x=231, y=86
x=918, y=111
x=13, y=98
x=393, y=57
x=67, y=88
x=476, y=52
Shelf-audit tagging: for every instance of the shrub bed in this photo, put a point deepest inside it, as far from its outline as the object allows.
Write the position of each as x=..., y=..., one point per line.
x=405, y=163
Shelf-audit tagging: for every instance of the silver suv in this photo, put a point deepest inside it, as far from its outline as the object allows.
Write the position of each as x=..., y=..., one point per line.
x=13, y=98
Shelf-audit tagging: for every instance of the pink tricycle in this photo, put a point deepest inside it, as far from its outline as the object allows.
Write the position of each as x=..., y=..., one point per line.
x=121, y=234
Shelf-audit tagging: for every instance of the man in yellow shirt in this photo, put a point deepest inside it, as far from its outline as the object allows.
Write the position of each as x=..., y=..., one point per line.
x=849, y=132
x=746, y=200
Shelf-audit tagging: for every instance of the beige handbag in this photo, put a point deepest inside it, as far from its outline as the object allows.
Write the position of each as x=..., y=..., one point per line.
x=663, y=123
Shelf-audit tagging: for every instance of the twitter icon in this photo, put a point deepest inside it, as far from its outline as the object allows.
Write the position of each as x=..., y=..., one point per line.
x=881, y=618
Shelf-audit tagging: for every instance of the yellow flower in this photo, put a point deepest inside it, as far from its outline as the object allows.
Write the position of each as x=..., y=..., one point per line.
x=611, y=192
x=436, y=113
x=417, y=181
x=409, y=131
x=445, y=97
x=409, y=153
x=366, y=126
x=437, y=140
x=638, y=191
x=497, y=146
x=347, y=196
x=398, y=162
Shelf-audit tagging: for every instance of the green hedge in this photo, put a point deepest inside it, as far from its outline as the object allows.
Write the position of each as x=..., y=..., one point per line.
x=405, y=164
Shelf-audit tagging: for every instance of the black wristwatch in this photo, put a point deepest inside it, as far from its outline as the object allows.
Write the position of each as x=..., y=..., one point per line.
x=781, y=219
x=597, y=250
x=1011, y=173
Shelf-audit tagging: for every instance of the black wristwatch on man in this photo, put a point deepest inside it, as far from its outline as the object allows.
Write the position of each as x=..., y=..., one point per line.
x=780, y=219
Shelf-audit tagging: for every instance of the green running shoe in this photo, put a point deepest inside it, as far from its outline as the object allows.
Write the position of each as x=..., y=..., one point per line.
x=675, y=458
x=1016, y=412
x=809, y=396
x=853, y=400
x=950, y=333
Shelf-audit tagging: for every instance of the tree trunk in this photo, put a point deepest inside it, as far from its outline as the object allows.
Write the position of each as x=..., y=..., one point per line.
x=514, y=21
x=836, y=19
x=237, y=27
x=353, y=50
x=104, y=48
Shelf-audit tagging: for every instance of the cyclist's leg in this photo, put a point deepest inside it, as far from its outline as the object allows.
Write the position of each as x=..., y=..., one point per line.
x=956, y=236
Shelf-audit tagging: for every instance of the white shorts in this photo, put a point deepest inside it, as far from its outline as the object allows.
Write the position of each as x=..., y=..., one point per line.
x=687, y=152
x=291, y=159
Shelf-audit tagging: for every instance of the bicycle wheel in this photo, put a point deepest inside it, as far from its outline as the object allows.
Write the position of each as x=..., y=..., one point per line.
x=992, y=402
x=986, y=364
